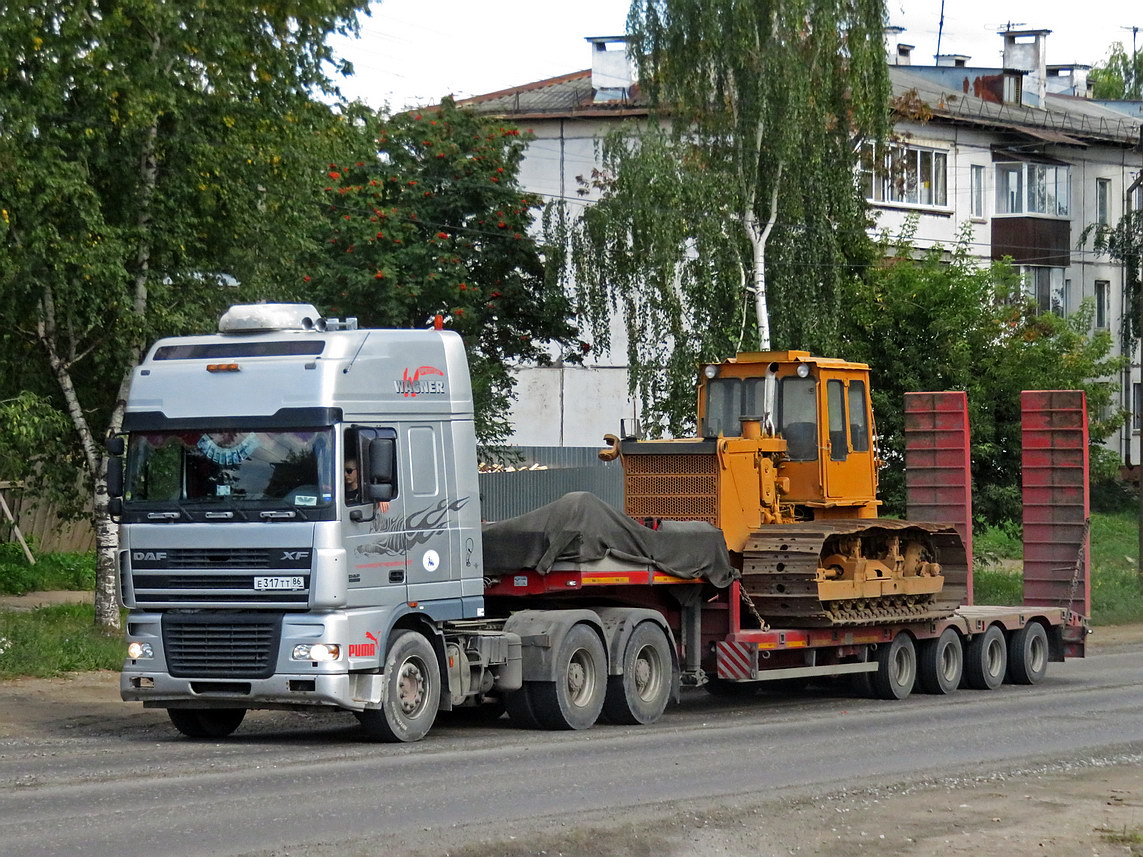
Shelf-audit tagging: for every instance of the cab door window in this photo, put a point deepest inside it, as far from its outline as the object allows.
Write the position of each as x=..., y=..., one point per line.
x=858, y=418
x=838, y=443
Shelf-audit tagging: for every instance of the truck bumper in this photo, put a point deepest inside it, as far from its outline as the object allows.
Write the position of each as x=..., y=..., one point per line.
x=349, y=691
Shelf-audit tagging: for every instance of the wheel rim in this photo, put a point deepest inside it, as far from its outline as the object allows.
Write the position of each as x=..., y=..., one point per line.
x=412, y=687
x=581, y=678
x=648, y=673
x=950, y=663
x=1037, y=654
x=994, y=657
x=901, y=666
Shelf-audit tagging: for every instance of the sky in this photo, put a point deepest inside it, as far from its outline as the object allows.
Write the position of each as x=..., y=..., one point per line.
x=412, y=53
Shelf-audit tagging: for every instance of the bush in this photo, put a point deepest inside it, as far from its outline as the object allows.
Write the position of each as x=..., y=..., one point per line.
x=51, y=571
x=55, y=640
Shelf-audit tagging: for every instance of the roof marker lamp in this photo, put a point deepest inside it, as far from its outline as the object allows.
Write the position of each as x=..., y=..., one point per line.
x=317, y=652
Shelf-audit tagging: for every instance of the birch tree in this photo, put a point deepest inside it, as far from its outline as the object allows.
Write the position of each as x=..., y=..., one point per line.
x=150, y=153
x=732, y=218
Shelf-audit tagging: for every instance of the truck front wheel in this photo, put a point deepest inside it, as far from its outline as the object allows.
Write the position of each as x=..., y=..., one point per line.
x=640, y=695
x=200, y=723
x=575, y=699
x=411, y=694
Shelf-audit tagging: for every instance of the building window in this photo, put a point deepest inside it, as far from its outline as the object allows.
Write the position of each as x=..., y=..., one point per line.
x=909, y=175
x=976, y=189
x=1102, y=305
x=1046, y=287
x=1013, y=88
x=1103, y=201
x=1047, y=186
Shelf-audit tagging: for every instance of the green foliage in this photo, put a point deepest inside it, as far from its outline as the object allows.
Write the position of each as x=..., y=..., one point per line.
x=677, y=243
x=52, y=571
x=1001, y=587
x=428, y=218
x=990, y=544
x=941, y=322
x=1123, y=242
x=54, y=640
x=1120, y=76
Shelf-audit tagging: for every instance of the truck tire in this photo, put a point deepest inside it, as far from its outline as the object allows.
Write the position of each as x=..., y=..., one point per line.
x=896, y=669
x=640, y=695
x=518, y=704
x=411, y=694
x=575, y=699
x=200, y=723
x=1028, y=655
x=940, y=663
x=986, y=660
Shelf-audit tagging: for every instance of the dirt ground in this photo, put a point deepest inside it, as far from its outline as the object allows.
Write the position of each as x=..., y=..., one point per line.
x=1082, y=807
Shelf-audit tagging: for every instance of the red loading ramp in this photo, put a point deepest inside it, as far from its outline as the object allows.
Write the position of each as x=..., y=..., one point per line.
x=938, y=472
x=1057, y=544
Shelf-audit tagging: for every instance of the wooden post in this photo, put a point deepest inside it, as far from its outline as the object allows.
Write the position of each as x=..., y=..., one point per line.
x=12, y=519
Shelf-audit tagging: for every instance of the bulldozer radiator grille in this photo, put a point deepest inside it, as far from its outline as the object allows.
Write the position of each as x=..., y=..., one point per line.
x=674, y=487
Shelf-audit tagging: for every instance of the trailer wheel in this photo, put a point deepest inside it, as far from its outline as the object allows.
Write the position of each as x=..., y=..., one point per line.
x=200, y=723
x=896, y=669
x=940, y=663
x=412, y=691
x=640, y=695
x=575, y=699
x=1028, y=654
x=986, y=660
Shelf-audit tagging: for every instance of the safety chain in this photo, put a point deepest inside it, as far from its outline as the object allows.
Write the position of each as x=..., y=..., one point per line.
x=749, y=602
x=1077, y=569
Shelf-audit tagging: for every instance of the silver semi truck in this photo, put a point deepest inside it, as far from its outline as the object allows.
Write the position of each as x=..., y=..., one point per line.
x=300, y=526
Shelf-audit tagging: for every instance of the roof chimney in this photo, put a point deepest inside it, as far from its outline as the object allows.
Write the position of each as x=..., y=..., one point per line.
x=900, y=53
x=611, y=71
x=952, y=60
x=1026, y=50
x=1070, y=80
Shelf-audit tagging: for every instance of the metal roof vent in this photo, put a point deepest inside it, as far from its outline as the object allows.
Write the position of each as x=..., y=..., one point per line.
x=251, y=318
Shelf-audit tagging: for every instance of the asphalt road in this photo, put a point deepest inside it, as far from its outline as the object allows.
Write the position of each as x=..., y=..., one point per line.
x=291, y=784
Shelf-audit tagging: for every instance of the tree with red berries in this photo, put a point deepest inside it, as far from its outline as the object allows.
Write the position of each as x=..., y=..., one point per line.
x=430, y=220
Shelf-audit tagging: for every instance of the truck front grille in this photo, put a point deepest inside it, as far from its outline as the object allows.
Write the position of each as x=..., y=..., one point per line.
x=234, y=645
x=203, y=576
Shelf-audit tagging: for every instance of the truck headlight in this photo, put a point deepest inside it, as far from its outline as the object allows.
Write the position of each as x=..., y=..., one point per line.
x=135, y=651
x=317, y=652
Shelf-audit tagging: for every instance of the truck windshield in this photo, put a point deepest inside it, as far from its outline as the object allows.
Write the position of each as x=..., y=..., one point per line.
x=292, y=468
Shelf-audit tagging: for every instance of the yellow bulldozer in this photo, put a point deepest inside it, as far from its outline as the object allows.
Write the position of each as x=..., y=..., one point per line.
x=786, y=466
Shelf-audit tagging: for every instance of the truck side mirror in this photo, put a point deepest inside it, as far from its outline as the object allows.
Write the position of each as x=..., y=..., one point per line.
x=382, y=482
x=115, y=477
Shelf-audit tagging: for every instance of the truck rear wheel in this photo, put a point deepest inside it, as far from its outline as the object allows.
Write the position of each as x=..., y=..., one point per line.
x=575, y=699
x=940, y=663
x=640, y=695
x=412, y=691
x=986, y=660
x=1028, y=655
x=896, y=669
x=200, y=723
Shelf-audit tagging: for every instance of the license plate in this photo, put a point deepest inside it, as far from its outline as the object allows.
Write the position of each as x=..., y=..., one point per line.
x=262, y=583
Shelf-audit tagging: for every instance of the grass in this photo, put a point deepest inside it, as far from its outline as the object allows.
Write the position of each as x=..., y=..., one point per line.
x=1116, y=593
x=55, y=640
x=1131, y=839
x=51, y=571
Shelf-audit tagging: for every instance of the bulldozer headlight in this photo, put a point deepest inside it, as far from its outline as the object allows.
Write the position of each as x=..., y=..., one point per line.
x=317, y=652
x=711, y=372
x=803, y=370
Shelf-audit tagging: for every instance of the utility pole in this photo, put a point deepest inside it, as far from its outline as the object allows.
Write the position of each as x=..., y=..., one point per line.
x=1138, y=266
x=1132, y=89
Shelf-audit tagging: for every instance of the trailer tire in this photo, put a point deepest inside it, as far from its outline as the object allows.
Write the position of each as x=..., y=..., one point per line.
x=986, y=660
x=940, y=663
x=896, y=669
x=640, y=695
x=205, y=723
x=1028, y=655
x=575, y=699
x=411, y=694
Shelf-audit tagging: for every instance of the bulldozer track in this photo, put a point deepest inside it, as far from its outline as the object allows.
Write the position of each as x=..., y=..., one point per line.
x=780, y=564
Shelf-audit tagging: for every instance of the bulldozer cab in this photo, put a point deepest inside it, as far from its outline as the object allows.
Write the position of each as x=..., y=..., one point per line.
x=819, y=406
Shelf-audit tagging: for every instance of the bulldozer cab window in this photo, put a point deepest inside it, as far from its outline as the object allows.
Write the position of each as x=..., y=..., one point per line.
x=838, y=443
x=723, y=407
x=858, y=420
x=798, y=418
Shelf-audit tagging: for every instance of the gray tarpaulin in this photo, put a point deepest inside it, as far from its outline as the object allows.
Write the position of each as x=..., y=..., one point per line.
x=579, y=527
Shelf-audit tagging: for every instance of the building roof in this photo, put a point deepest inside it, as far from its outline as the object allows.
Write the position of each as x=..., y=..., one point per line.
x=1065, y=119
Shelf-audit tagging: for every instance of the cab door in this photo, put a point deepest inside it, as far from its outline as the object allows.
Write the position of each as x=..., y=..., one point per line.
x=849, y=465
x=373, y=532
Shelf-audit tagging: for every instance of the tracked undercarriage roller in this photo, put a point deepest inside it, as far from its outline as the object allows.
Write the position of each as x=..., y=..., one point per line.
x=850, y=572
